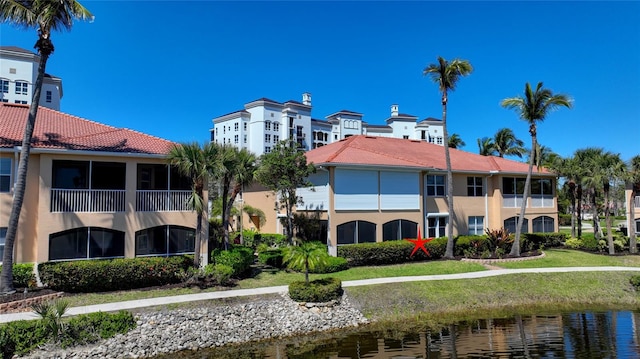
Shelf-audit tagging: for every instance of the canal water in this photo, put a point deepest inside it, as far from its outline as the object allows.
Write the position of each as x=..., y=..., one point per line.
x=613, y=334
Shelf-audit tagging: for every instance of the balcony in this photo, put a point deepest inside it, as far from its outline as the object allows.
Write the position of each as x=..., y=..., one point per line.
x=162, y=200
x=87, y=200
x=637, y=202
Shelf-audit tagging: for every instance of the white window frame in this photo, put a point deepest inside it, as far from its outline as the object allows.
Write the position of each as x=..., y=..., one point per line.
x=267, y=125
x=437, y=225
x=4, y=86
x=22, y=88
x=542, y=200
x=476, y=225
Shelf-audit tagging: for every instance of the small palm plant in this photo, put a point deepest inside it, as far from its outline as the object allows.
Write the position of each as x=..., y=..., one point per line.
x=306, y=256
x=51, y=315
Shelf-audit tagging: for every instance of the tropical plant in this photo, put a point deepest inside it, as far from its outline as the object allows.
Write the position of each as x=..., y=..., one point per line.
x=446, y=74
x=283, y=171
x=455, y=141
x=45, y=16
x=532, y=108
x=634, y=178
x=506, y=143
x=51, y=315
x=306, y=256
x=486, y=147
x=196, y=163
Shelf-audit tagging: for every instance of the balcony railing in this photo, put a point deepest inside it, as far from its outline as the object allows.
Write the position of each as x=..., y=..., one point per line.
x=539, y=200
x=87, y=200
x=637, y=201
x=160, y=201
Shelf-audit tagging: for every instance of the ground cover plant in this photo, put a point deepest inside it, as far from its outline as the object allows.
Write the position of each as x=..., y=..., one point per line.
x=573, y=258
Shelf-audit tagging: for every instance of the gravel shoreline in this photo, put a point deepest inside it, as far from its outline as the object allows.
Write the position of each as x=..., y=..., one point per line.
x=170, y=331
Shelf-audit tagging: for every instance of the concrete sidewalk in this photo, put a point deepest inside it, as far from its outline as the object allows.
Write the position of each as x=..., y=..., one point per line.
x=150, y=302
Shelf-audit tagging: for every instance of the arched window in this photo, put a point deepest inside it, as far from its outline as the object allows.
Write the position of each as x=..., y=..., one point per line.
x=543, y=224
x=86, y=242
x=356, y=232
x=399, y=229
x=165, y=240
x=510, y=225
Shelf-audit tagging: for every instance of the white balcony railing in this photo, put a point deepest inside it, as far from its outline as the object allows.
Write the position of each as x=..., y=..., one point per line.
x=160, y=201
x=87, y=200
x=637, y=201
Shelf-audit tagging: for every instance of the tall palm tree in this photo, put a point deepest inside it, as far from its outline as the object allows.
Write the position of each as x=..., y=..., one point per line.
x=44, y=16
x=634, y=178
x=571, y=171
x=532, y=108
x=237, y=170
x=615, y=170
x=446, y=75
x=507, y=144
x=486, y=147
x=455, y=141
x=197, y=163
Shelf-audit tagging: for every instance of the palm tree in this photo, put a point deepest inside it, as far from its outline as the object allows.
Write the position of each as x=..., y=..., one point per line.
x=634, y=178
x=237, y=170
x=506, y=143
x=446, y=75
x=44, y=16
x=571, y=171
x=307, y=256
x=486, y=147
x=532, y=108
x=455, y=141
x=197, y=163
x=614, y=169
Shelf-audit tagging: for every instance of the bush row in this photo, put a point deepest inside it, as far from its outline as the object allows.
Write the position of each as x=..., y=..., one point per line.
x=20, y=337
x=239, y=258
x=23, y=276
x=390, y=252
x=467, y=245
x=319, y=290
x=253, y=239
x=588, y=242
x=113, y=274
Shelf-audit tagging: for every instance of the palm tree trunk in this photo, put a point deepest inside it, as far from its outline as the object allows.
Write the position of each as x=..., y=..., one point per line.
x=515, y=248
x=596, y=221
x=226, y=213
x=607, y=219
x=445, y=139
x=579, y=209
x=572, y=195
x=633, y=244
x=6, y=277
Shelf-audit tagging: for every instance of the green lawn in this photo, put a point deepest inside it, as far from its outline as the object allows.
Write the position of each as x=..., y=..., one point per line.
x=572, y=258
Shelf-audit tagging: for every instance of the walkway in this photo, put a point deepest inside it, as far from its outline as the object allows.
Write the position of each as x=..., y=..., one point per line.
x=150, y=302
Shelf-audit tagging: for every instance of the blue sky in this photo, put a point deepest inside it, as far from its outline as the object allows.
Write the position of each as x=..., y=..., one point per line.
x=167, y=68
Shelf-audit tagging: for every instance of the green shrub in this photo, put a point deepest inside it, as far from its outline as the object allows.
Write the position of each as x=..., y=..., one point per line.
x=635, y=281
x=564, y=219
x=390, y=252
x=20, y=337
x=23, y=276
x=91, y=327
x=535, y=241
x=237, y=257
x=573, y=243
x=271, y=257
x=331, y=265
x=113, y=274
x=470, y=245
x=219, y=273
x=319, y=290
x=589, y=242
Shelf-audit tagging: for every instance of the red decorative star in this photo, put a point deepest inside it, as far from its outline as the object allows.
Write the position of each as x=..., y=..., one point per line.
x=419, y=244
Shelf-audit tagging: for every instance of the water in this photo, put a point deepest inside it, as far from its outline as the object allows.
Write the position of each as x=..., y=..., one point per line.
x=614, y=334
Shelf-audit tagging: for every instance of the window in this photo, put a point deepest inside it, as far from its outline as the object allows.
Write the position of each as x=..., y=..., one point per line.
x=4, y=100
x=512, y=192
x=48, y=97
x=3, y=237
x=435, y=185
x=5, y=175
x=276, y=126
x=22, y=102
x=431, y=139
x=406, y=137
x=276, y=138
x=236, y=126
x=267, y=125
x=165, y=240
x=436, y=227
x=236, y=139
x=267, y=138
x=543, y=224
x=85, y=175
x=476, y=225
x=474, y=186
x=267, y=149
x=224, y=129
x=86, y=242
x=356, y=232
x=439, y=140
x=244, y=126
x=244, y=139
x=4, y=86
x=299, y=131
x=510, y=225
x=638, y=226
x=399, y=229
x=22, y=88
x=541, y=192
x=423, y=135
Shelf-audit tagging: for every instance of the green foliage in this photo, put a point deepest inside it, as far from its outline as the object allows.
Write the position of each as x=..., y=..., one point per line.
x=331, y=265
x=254, y=239
x=219, y=273
x=21, y=337
x=271, y=257
x=305, y=257
x=23, y=276
x=113, y=274
x=564, y=219
x=499, y=239
x=239, y=258
x=390, y=252
x=573, y=243
x=471, y=245
x=635, y=281
x=316, y=291
x=51, y=316
x=91, y=327
x=535, y=241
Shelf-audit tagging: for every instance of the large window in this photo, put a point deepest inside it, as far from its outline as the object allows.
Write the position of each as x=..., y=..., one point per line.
x=510, y=225
x=356, y=232
x=22, y=88
x=476, y=225
x=3, y=237
x=474, y=186
x=165, y=240
x=435, y=185
x=543, y=224
x=86, y=242
x=85, y=175
x=541, y=192
x=161, y=177
x=399, y=229
x=437, y=226
x=512, y=191
x=5, y=174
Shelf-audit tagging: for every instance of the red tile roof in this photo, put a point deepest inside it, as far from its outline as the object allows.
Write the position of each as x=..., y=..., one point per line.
x=386, y=151
x=57, y=130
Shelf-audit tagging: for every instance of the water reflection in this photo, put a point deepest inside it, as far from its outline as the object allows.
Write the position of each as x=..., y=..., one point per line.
x=573, y=335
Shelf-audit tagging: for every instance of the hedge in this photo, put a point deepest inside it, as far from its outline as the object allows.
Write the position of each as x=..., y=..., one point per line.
x=23, y=276
x=390, y=252
x=319, y=290
x=271, y=257
x=330, y=265
x=534, y=241
x=113, y=274
x=237, y=257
